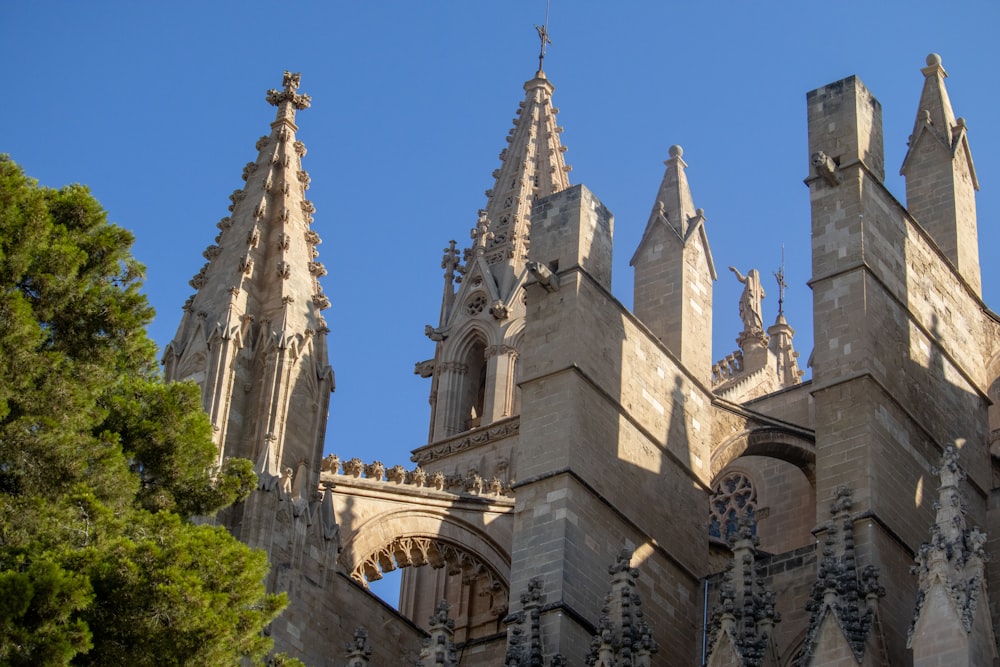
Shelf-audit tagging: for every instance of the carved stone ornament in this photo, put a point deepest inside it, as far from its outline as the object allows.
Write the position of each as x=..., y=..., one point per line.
x=354, y=467
x=261, y=142
x=249, y=169
x=321, y=301
x=211, y=252
x=199, y=279
x=396, y=474
x=375, y=470
x=317, y=269
x=331, y=464
x=623, y=637
x=358, y=651
x=284, y=270
x=435, y=335
x=312, y=238
x=461, y=443
x=290, y=83
x=840, y=588
x=300, y=148
x=955, y=556
x=524, y=632
x=417, y=476
x=825, y=168
x=499, y=311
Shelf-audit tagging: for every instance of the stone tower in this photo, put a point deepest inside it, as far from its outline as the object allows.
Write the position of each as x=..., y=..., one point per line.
x=253, y=335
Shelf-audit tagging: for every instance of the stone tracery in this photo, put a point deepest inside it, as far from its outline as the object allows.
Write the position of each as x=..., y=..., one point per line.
x=734, y=500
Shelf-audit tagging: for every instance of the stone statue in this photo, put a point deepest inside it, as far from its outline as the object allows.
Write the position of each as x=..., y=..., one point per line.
x=753, y=293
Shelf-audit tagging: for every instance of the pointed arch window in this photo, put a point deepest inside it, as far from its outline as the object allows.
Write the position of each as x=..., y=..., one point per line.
x=474, y=392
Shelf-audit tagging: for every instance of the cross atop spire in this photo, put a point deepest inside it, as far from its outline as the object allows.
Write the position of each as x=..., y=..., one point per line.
x=287, y=100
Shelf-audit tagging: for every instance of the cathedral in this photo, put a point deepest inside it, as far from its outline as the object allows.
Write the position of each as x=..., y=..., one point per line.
x=595, y=488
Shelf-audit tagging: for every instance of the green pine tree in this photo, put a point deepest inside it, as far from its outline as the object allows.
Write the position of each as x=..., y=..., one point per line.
x=102, y=465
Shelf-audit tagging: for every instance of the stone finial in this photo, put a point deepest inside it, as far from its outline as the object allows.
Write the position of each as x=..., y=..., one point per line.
x=375, y=470
x=955, y=556
x=358, y=651
x=439, y=648
x=840, y=590
x=288, y=94
x=623, y=637
x=331, y=464
x=745, y=611
x=524, y=644
x=481, y=234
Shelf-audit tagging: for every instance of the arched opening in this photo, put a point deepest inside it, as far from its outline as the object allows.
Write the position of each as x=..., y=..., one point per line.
x=473, y=400
x=465, y=567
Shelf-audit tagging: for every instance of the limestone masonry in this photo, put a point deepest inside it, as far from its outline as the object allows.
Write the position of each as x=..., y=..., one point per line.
x=595, y=488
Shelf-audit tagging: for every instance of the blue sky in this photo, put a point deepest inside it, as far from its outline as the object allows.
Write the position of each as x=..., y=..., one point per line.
x=157, y=106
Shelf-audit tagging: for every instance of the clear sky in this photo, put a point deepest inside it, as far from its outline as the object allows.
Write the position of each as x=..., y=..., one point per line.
x=157, y=106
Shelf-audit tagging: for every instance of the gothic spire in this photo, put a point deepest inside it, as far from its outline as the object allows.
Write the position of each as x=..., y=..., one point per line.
x=532, y=166
x=260, y=292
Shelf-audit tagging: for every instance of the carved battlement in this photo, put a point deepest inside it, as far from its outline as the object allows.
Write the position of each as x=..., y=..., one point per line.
x=727, y=368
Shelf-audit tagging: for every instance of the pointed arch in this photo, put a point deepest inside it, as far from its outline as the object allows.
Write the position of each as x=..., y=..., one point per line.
x=768, y=441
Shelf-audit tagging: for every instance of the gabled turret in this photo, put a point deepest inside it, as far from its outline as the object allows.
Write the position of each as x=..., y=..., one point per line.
x=252, y=334
x=941, y=178
x=477, y=335
x=674, y=271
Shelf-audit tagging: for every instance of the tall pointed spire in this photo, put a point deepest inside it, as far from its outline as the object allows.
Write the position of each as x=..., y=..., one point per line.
x=532, y=166
x=674, y=271
x=252, y=334
x=474, y=382
x=941, y=177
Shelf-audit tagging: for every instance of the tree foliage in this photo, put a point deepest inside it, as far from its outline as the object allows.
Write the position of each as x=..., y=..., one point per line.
x=102, y=465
